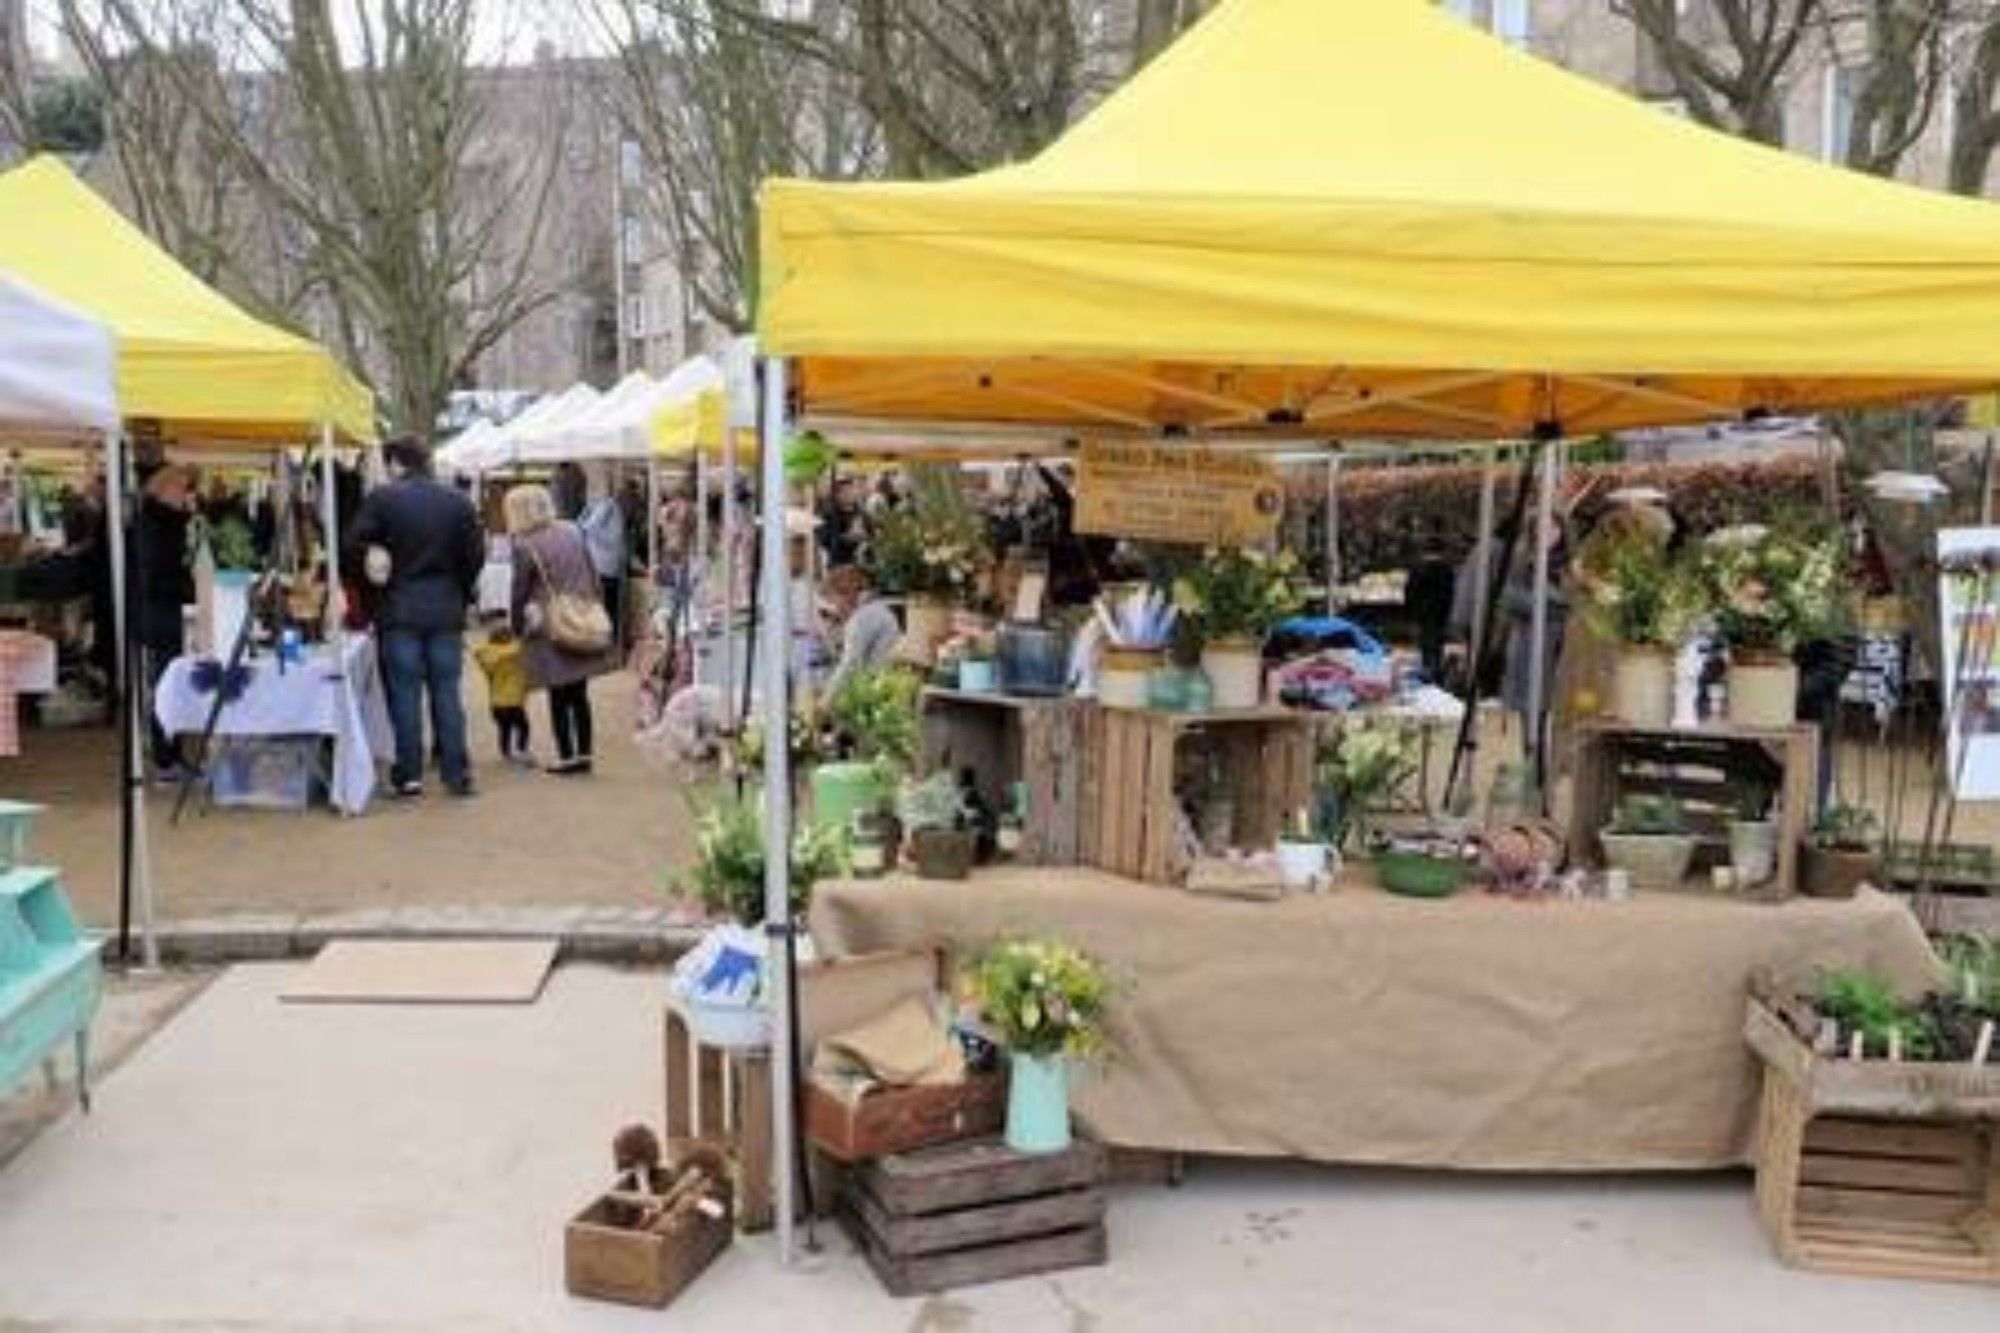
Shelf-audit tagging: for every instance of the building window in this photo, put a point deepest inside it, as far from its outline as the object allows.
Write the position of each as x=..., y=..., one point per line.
x=635, y=316
x=1510, y=21
x=1837, y=114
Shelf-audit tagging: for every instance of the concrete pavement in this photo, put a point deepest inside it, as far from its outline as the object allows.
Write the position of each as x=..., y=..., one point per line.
x=258, y=1165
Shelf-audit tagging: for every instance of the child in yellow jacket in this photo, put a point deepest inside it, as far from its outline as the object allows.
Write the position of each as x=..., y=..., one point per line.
x=507, y=692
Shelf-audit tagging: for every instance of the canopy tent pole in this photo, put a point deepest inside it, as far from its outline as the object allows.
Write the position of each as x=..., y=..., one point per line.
x=652, y=522
x=1538, y=625
x=136, y=893
x=730, y=716
x=776, y=662
x=329, y=519
x=1332, y=533
x=1483, y=552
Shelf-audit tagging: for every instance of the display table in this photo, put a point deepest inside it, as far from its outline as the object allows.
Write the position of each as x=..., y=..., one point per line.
x=1353, y=1026
x=339, y=698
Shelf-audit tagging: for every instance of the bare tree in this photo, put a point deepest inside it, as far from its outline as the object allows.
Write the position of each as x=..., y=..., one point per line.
x=1903, y=77
x=1729, y=61
x=357, y=129
x=1975, y=115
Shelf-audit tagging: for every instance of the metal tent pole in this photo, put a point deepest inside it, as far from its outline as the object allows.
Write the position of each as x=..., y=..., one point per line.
x=1332, y=533
x=730, y=716
x=1483, y=559
x=136, y=894
x=776, y=662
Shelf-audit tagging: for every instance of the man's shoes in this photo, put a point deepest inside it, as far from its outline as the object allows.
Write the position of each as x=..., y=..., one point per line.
x=570, y=768
x=522, y=759
x=462, y=789
x=406, y=789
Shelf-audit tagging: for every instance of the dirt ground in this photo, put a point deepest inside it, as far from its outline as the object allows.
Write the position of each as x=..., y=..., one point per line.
x=527, y=838
x=611, y=839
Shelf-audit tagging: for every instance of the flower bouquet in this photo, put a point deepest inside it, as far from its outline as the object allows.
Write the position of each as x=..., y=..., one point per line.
x=1231, y=601
x=1045, y=1001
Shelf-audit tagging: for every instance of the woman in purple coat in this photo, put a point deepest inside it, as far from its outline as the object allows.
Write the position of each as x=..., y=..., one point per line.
x=550, y=559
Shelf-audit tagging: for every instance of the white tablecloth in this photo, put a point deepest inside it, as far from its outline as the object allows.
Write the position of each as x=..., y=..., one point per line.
x=339, y=697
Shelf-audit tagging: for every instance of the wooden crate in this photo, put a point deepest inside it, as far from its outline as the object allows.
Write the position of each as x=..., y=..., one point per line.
x=1707, y=769
x=1005, y=740
x=966, y=1213
x=1874, y=1168
x=724, y=1096
x=615, y=1263
x=1133, y=779
x=894, y=1120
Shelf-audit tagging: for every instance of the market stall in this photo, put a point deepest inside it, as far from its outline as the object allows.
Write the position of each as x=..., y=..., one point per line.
x=1584, y=264
x=193, y=372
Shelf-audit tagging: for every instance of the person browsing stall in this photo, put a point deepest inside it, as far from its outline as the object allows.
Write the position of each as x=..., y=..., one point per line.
x=869, y=628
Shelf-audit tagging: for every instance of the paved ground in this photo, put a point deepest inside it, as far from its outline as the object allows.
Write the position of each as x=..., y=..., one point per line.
x=528, y=839
x=262, y=1166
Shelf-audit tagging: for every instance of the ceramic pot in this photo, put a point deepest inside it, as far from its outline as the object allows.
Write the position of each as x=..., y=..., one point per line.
x=1303, y=865
x=1125, y=679
x=1753, y=851
x=927, y=620
x=978, y=675
x=1037, y=1103
x=1653, y=860
x=1833, y=872
x=1235, y=671
x=1763, y=690
x=1642, y=687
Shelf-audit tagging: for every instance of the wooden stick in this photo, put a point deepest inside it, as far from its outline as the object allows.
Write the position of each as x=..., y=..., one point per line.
x=1854, y=1046
x=1895, y=1046
x=1984, y=1046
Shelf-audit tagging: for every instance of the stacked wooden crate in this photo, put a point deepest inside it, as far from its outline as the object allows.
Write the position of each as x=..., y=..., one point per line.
x=976, y=1211
x=1003, y=740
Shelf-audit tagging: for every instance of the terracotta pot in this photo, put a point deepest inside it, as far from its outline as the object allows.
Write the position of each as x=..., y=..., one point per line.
x=1126, y=676
x=1830, y=872
x=1235, y=671
x=1642, y=686
x=1763, y=690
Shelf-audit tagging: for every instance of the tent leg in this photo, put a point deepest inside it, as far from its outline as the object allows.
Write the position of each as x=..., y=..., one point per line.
x=730, y=717
x=136, y=896
x=1332, y=534
x=778, y=794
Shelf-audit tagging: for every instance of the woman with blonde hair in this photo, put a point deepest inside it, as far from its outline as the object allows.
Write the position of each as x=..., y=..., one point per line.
x=551, y=564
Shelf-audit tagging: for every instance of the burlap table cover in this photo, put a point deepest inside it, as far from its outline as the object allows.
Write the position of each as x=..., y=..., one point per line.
x=1358, y=1027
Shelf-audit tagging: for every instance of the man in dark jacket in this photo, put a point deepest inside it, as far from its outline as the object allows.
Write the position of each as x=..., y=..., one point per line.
x=434, y=550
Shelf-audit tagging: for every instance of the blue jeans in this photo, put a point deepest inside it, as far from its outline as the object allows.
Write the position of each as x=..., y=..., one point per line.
x=416, y=663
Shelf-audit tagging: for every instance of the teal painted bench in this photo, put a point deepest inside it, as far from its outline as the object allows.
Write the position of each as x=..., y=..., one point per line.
x=51, y=978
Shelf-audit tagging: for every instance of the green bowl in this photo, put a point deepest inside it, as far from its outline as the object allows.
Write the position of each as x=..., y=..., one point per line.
x=1420, y=875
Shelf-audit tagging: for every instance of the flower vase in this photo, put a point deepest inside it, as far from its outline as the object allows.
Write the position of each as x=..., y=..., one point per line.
x=1763, y=690
x=1642, y=686
x=1235, y=670
x=928, y=619
x=1037, y=1103
x=1125, y=679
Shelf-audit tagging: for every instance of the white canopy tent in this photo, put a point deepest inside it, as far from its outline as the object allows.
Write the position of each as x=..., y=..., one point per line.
x=58, y=368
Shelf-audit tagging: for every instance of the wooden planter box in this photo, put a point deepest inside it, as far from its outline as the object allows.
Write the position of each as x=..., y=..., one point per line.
x=1874, y=1168
x=974, y=1212
x=895, y=1120
x=1140, y=759
x=1005, y=740
x=633, y=1267
x=1708, y=769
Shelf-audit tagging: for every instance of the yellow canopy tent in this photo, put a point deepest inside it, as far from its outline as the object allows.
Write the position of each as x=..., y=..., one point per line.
x=1365, y=218
x=187, y=356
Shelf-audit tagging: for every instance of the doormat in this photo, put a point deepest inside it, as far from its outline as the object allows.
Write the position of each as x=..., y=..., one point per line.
x=425, y=972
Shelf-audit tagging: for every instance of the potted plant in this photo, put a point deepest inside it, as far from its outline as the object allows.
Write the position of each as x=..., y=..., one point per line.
x=932, y=550
x=1840, y=854
x=1360, y=763
x=1138, y=626
x=1231, y=600
x=1304, y=858
x=1639, y=597
x=874, y=714
x=1648, y=839
x=935, y=828
x=1770, y=590
x=1045, y=1001
x=1753, y=842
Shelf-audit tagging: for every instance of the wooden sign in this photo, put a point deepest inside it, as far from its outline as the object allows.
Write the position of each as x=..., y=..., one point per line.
x=1177, y=493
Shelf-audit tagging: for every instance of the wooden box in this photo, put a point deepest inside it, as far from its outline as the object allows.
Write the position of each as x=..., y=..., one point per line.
x=1005, y=740
x=1139, y=761
x=724, y=1096
x=615, y=1263
x=977, y=1211
x=840, y=995
x=1709, y=769
x=1876, y=1168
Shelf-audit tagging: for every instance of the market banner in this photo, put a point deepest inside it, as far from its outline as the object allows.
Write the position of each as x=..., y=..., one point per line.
x=1177, y=493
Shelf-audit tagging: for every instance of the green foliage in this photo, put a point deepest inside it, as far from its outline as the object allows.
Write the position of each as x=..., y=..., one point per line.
x=1043, y=998
x=933, y=545
x=1863, y=1002
x=1362, y=762
x=1238, y=594
x=877, y=710
x=1773, y=589
x=1649, y=816
x=231, y=544
x=1847, y=828
x=1975, y=969
x=67, y=116
x=934, y=802
x=805, y=747
x=1635, y=591
x=728, y=873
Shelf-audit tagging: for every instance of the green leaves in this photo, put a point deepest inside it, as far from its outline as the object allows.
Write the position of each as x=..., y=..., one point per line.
x=1043, y=997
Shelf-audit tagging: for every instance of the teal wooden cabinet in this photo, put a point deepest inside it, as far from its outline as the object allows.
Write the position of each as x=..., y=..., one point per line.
x=51, y=978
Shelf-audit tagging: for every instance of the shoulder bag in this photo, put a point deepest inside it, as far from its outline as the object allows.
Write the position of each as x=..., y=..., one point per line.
x=576, y=625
